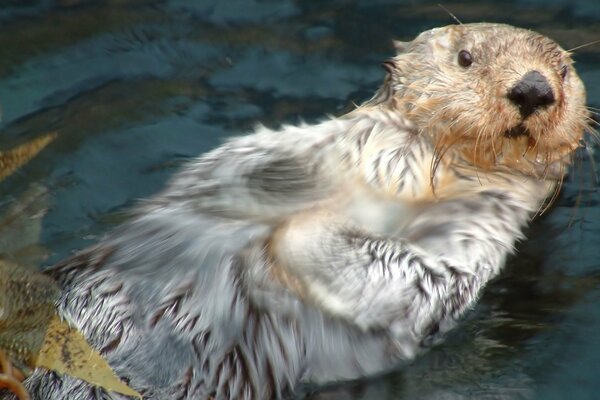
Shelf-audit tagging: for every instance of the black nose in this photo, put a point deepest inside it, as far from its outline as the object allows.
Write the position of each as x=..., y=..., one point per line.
x=532, y=92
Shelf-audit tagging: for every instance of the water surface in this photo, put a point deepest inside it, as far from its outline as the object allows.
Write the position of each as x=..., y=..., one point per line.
x=134, y=88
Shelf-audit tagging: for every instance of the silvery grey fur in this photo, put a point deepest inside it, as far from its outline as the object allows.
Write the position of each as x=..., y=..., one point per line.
x=180, y=302
x=183, y=300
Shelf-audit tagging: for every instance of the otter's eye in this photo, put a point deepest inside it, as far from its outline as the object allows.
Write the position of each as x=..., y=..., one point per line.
x=563, y=71
x=465, y=58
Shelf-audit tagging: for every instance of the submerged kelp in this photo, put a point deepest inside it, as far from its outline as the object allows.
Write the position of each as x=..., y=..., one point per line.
x=20, y=219
x=14, y=158
x=27, y=302
x=32, y=335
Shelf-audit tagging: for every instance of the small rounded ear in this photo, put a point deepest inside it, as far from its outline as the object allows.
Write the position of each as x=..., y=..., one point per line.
x=400, y=47
x=389, y=66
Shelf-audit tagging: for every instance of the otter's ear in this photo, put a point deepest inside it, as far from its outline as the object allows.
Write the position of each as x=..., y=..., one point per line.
x=400, y=47
x=389, y=66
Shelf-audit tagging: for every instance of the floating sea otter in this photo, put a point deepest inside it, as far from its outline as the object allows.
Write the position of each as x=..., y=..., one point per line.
x=329, y=252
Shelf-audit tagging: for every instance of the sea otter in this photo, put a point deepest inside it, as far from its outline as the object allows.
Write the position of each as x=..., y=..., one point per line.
x=329, y=252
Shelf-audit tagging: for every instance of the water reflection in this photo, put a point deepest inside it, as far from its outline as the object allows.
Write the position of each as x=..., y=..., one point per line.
x=134, y=88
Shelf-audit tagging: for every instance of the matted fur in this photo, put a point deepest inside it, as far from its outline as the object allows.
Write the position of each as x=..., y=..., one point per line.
x=328, y=252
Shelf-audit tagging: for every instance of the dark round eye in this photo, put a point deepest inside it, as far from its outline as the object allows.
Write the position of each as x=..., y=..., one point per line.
x=465, y=58
x=563, y=71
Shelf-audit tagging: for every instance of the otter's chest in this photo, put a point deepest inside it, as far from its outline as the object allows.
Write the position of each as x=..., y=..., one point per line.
x=392, y=185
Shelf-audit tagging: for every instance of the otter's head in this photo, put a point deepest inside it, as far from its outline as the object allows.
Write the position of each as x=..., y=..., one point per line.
x=491, y=96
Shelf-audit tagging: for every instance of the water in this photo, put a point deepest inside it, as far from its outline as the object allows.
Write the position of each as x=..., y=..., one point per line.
x=134, y=88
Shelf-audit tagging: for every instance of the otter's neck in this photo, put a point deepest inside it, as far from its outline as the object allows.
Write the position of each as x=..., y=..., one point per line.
x=404, y=190
x=392, y=156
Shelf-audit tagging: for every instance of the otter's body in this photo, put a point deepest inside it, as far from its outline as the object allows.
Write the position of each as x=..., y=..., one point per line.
x=334, y=251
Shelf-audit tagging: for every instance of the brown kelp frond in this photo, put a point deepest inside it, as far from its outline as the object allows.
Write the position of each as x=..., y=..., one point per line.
x=11, y=378
x=14, y=158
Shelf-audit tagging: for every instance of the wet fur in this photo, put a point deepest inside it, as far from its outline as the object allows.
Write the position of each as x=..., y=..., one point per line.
x=327, y=252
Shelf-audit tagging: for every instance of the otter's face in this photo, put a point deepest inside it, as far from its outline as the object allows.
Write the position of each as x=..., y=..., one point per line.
x=499, y=97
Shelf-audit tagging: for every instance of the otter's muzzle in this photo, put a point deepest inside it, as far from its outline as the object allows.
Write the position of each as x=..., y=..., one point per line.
x=532, y=92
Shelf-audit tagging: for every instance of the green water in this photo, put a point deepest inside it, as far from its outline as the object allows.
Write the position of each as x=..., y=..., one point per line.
x=134, y=88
